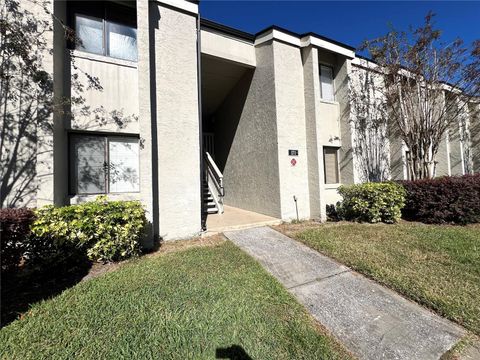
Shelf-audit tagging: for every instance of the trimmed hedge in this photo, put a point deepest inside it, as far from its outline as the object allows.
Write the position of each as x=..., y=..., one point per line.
x=107, y=230
x=449, y=199
x=15, y=231
x=371, y=202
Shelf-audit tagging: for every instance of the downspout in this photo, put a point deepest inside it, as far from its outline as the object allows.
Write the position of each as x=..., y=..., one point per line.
x=200, y=123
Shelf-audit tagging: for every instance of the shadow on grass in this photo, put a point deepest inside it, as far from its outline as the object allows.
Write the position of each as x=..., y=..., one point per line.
x=22, y=288
x=234, y=352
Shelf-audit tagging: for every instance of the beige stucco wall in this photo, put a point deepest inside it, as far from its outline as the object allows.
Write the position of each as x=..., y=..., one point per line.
x=30, y=174
x=324, y=128
x=114, y=107
x=346, y=159
x=291, y=132
x=246, y=120
x=177, y=121
x=455, y=145
x=227, y=48
x=313, y=133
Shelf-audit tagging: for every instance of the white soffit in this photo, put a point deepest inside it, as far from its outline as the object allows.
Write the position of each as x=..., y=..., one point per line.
x=277, y=35
x=181, y=4
x=304, y=42
x=315, y=41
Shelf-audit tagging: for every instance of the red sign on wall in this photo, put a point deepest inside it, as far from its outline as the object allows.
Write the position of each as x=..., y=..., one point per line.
x=293, y=162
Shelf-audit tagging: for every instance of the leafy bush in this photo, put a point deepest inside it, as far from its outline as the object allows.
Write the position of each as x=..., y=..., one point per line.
x=371, y=202
x=449, y=199
x=107, y=230
x=15, y=230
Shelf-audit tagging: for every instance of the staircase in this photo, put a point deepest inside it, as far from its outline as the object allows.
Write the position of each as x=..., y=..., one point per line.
x=212, y=187
x=209, y=203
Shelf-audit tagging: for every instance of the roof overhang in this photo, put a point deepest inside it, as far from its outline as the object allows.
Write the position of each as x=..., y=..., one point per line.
x=304, y=40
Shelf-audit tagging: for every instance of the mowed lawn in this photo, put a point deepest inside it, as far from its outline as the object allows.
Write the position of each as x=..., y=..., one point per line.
x=202, y=302
x=437, y=266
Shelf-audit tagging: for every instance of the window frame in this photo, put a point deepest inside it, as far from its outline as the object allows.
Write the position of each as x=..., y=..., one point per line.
x=337, y=165
x=332, y=68
x=108, y=13
x=72, y=176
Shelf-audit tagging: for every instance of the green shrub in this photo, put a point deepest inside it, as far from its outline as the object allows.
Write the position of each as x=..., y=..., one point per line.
x=14, y=233
x=107, y=230
x=371, y=202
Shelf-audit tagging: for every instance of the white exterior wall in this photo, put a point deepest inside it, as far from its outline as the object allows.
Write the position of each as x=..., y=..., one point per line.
x=291, y=131
x=177, y=119
x=118, y=96
x=224, y=47
x=313, y=133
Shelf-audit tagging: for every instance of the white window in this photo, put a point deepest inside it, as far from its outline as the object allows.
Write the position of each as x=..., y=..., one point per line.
x=89, y=31
x=326, y=83
x=101, y=164
x=123, y=166
x=108, y=29
x=121, y=41
x=330, y=163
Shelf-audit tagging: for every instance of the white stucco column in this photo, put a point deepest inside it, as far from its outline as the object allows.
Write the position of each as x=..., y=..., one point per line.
x=291, y=131
x=314, y=146
x=175, y=114
x=148, y=187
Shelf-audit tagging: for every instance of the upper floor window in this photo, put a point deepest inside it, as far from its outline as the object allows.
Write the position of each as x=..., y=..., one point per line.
x=106, y=29
x=326, y=83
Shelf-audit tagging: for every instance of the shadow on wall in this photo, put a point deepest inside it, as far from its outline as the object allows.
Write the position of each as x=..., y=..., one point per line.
x=30, y=110
x=234, y=352
x=228, y=117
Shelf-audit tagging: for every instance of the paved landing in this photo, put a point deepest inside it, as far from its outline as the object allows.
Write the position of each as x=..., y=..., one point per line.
x=371, y=321
x=235, y=219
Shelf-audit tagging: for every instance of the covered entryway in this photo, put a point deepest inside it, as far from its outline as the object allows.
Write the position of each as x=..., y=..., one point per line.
x=225, y=89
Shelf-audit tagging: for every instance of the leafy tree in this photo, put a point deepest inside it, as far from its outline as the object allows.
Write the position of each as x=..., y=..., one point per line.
x=427, y=86
x=368, y=118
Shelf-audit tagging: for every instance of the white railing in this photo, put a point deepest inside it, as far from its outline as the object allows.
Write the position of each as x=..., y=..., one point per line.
x=215, y=181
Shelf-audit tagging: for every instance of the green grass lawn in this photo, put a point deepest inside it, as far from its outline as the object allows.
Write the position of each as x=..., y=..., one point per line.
x=437, y=266
x=194, y=303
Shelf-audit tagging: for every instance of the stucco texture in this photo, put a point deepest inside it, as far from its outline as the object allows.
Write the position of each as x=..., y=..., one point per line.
x=177, y=122
x=247, y=139
x=291, y=133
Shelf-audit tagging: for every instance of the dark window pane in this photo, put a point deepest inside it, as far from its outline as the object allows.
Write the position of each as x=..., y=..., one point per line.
x=330, y=162
x=88, y=154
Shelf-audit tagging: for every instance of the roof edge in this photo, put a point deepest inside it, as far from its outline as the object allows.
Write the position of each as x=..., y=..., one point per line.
x=227, y=29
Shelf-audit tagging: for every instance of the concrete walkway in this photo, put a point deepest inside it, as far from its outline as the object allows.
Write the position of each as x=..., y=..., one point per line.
x=371, y=321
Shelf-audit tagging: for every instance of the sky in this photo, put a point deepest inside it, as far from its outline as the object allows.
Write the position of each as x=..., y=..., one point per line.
x=349, y=22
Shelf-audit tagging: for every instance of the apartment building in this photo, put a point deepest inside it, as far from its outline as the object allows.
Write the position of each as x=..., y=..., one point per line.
x=193, y=115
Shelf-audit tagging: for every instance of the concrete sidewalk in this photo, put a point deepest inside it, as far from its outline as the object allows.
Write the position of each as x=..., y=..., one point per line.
x=371, y=321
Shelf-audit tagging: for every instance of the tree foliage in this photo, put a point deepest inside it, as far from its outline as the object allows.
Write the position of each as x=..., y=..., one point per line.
x=428, y=85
